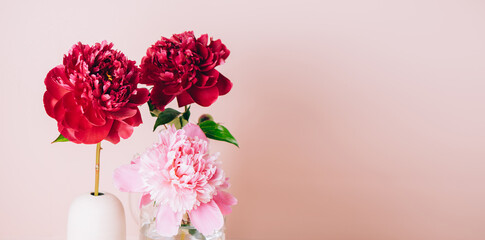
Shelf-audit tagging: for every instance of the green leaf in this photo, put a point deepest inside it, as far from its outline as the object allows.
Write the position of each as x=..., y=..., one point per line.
x=153, y=110
x=186, y=114
x=192, y=231
x=178, y=123
x=165, y=117
x=60, y=139
x=216, y=131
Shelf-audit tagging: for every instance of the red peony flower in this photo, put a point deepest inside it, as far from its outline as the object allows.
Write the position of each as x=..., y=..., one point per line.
x=93, y=95
x=184, y=67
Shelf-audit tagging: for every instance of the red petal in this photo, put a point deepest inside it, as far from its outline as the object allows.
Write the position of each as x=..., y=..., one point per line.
x=56, y=82
x=49, y=103
x=95, y=134
x=59, y=110
x=134, y=121
x=68, y=133
x=124, y=130
x=72, y=119
x=184, y=99
x=207, y=79
x=119, y=129
x=223, y=84
x=140, y=97
x=204, y=96
x=95, y=116
x=124, y=113
x=203, y=39
x=159, y=99
x=113, y=137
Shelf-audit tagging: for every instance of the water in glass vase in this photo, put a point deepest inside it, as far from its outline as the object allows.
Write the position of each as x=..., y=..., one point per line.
x=186, y=231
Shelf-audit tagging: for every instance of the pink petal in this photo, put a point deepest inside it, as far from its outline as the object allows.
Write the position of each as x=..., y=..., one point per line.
x=193, y=130
x=145, y=199
x=168, y=221
x=224, y=201
x=136, y=160
x=127, y=179
x=207, y=218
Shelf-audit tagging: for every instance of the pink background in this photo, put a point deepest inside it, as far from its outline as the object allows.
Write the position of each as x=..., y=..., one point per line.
x=356, y=119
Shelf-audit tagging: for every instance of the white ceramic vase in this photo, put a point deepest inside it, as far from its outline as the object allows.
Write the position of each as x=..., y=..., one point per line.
x=96, y=218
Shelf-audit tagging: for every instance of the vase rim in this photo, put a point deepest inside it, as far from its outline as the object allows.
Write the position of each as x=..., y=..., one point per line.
x=99, y=194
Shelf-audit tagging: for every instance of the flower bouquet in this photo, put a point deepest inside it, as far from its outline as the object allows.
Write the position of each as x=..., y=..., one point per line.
x=182, y=185
x=94, y=96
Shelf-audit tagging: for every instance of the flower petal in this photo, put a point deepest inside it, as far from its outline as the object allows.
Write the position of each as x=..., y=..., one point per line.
x=67, y=133
x=184, y=99
x=193, y=130
x=94, y=134
x=223, y=84
x=145, y=199
x=95, y=116
x=75, y=119
x=204, y=96
x=59, y=110
x=140, y=97
x=168, y=221
x=124, y=113
x=134, y=121
x=124, y=130
x=55, y=82
x=207, y=218
x=224, y=201
x=159, y=99
x=49, y=103
x=119, y=129
x=127, y=179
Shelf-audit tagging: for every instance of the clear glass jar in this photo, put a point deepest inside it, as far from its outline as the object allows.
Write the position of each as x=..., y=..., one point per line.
x=186, y=231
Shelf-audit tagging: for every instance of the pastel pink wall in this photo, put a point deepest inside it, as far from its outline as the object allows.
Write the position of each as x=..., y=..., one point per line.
x=356, y=119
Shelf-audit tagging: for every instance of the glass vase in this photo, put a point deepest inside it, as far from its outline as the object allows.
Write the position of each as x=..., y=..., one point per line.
x=186, y=231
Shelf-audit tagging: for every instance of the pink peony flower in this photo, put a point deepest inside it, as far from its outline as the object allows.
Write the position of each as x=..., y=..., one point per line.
x=93, y=95
x=184, y=67
x=180, y=175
